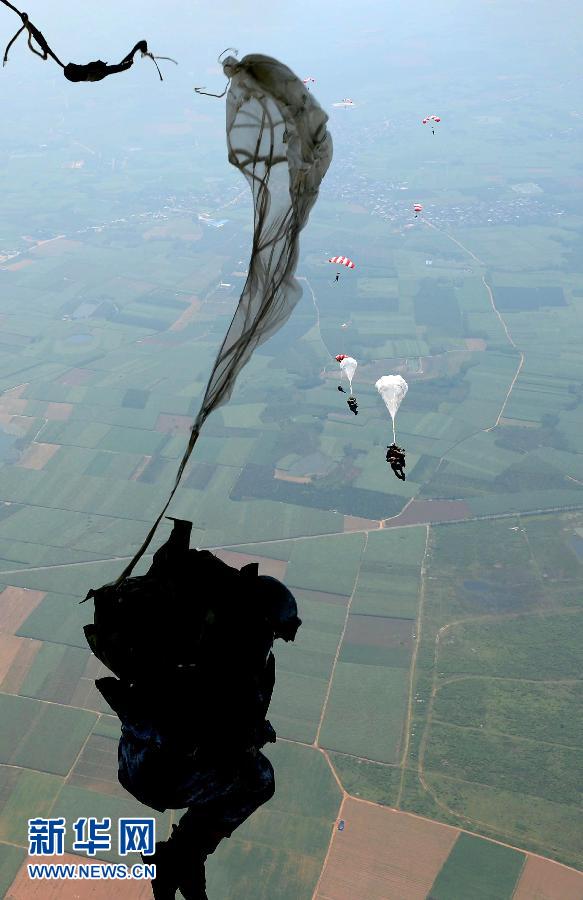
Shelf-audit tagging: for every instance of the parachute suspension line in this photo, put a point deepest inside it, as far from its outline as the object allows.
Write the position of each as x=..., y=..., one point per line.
x=131, y=565
x=259, y=121
x=33, y=34
x=201, y=90
x=394, y=435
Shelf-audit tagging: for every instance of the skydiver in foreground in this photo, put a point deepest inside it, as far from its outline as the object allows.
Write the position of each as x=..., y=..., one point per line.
x=191, y=644
x=353, y=405
x=396, y=459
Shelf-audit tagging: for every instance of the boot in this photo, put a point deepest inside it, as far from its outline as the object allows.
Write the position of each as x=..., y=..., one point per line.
x=165, y=884
x=191, y=875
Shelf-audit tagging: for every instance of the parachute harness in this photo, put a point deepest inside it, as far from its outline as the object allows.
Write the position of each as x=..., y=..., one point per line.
x=93, y=71
x=277, y=138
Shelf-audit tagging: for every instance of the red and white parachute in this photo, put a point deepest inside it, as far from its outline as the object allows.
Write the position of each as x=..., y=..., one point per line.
x=308, y=81
x=342, y=261
x=348, y=366
x=417, y=208
x=344, y=104
x=431, y=120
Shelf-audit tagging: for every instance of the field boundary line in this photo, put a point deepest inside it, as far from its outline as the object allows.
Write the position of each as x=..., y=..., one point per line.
x=413, y=666
x=340, y=642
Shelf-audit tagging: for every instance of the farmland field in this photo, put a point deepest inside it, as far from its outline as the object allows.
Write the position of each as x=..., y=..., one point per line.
x=432, y=698
x=478, y=869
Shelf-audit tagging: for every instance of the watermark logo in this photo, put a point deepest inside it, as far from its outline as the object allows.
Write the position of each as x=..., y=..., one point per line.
x=46, y=837
x=92, y=835
x=136, y=836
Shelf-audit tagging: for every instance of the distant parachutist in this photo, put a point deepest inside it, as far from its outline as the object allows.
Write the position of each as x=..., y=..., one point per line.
x=432, y=121
x=352, y=405
x=417, y=208
x=93, y=71
x=341, y=261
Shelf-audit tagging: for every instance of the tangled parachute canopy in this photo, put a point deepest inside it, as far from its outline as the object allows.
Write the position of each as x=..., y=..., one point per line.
x=392, y=389
x=277, y=138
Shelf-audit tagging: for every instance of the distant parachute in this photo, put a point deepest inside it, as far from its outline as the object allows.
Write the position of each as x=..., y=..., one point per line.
x=392, y=389
x=348, y=367
x=417, y=208
x=432, y=121
x=308, y=81
x=344, y=104
x=342, y=261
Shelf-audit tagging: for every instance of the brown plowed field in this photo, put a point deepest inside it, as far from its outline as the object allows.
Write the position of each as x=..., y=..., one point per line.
x=22, y=264
x=57, y=246
x=281, y=475
x=383, y=854
x=274, y=567
x=75, y=377
x=16, y=605
x=543, y=879
x=16, y=656
x=378, y=631
x=58, y=412
x=22, y=888
x=36, y=456
x=424, y=512
x=86, y=694
x=187, y=316
x=355, y=523
x=11, y=404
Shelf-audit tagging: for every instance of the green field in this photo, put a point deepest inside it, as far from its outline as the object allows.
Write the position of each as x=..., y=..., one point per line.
x=280, y=850
x=496, y=731
x=35, y=737
x=478, y=303
x=478, y=869
x=365, y=711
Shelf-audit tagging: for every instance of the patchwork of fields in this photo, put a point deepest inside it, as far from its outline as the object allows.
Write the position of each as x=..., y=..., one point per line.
x=437, y=674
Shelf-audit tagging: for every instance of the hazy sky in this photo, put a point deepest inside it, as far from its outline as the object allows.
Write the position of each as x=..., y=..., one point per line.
x=395, y=57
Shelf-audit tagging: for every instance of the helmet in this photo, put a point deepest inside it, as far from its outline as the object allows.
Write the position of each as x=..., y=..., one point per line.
x=281, y=608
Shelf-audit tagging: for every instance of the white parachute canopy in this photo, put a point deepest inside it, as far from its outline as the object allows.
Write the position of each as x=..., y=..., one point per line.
x=348, y=366
x=392, y=389
x=277, y=138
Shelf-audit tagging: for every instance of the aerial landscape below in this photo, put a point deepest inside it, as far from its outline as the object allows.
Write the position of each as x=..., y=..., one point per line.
x=429, y=713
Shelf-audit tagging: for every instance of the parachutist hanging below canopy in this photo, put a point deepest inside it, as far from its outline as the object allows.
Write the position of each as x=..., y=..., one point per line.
x=191, y=645
x=93, y=71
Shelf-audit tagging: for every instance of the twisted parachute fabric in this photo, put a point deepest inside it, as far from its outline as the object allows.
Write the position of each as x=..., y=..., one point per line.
x=392, y=389
x=277, y=138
